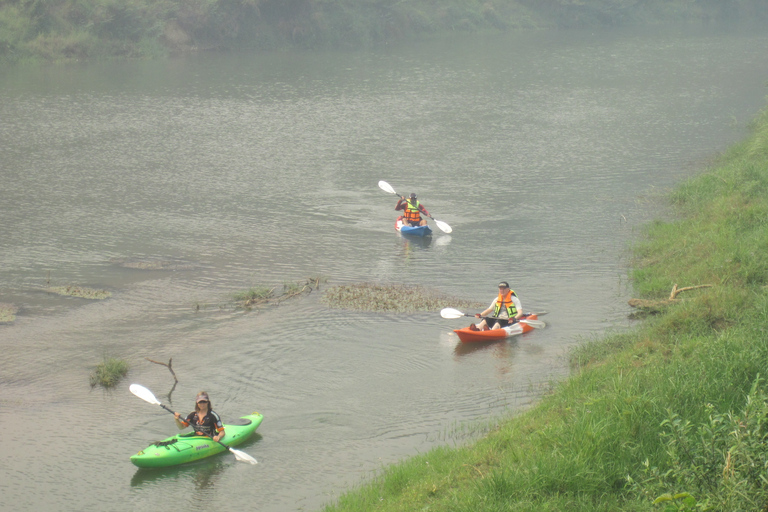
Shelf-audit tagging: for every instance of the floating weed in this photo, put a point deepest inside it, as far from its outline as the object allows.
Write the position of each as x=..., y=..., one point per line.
x=254, y=295
x=396, y=298
x=293, y=288
x=109, y=372
x=80, y=291
x=8, y=312
x=259, y=295
x=153, y=264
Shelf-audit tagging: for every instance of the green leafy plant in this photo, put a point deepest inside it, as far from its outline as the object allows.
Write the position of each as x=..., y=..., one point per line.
x=724, y=459
x=681, y=502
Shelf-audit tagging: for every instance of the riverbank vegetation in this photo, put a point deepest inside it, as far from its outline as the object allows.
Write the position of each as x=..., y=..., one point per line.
x=90, y=29
x=672, y=415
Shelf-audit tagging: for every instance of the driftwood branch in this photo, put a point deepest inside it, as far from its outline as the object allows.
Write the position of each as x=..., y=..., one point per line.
x=170, y=368
x=657, y=305
x=676, y=290
x=294, y=293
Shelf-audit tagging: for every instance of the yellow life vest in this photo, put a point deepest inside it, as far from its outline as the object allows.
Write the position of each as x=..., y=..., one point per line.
x=412, y=211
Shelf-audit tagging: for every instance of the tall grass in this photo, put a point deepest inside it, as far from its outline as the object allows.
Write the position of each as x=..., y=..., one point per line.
x=672, y=415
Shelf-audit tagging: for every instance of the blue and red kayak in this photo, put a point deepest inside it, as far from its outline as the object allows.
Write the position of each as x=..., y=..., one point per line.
x=405, y=229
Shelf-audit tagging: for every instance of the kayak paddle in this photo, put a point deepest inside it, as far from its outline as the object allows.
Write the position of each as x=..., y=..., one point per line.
x=444, y=227
x=455, y=313
x=146, y=395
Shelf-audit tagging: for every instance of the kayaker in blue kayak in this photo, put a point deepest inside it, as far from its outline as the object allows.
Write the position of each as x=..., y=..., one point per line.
x=506, y=309
x=202, y=419
x=412, y=211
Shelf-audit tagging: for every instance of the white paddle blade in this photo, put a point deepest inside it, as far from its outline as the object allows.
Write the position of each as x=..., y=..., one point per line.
x=445, y=228
x=143, y=393
x=536, y=324
x=451, y=313
x=242, y=456
x=386, y=187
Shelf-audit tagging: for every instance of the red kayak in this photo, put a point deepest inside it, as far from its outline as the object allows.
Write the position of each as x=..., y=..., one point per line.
x=468, y=335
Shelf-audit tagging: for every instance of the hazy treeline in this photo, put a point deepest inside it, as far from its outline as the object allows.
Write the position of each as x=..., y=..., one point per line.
x=61, y=29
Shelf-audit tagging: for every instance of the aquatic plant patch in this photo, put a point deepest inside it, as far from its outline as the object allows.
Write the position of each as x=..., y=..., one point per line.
x=109, y=372
x=397, y=298
x=8, y=312
x=260, y=295
x=153, y=264
x=80, y=291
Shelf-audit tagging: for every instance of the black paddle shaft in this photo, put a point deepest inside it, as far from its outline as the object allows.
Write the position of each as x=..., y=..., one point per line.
x=174, y=413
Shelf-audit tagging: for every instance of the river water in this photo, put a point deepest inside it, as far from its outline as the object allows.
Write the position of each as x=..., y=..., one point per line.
x=175, y=184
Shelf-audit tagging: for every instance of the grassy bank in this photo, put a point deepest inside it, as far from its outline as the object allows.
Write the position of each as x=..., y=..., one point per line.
x=674, y=411
x=91, y=29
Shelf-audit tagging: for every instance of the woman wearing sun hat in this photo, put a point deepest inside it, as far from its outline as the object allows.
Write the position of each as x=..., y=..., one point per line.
x=506, y=310
x=202, y=419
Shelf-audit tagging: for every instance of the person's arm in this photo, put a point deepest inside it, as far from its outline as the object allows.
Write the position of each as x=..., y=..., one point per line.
x=180, y=422
x=400, y=204
x=519, y=307
x=218, y=426
x=485, y=313
x=424, y=211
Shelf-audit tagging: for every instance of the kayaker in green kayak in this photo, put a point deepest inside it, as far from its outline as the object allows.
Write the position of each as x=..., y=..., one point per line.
x=506, y=310
x=202, y=419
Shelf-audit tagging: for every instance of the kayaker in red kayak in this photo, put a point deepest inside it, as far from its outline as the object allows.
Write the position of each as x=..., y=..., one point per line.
x=413, y=210
x=202, y=419
x=506, y=310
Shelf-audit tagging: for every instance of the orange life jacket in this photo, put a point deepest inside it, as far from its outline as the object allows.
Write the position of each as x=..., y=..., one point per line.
x=412, y=211
x=506, y=302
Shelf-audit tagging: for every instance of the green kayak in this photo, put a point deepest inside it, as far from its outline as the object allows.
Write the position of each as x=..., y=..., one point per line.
x=183, y=448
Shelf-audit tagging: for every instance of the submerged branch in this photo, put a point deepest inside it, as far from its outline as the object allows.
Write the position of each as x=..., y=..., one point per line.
x=170, y=368
x=262, y=295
